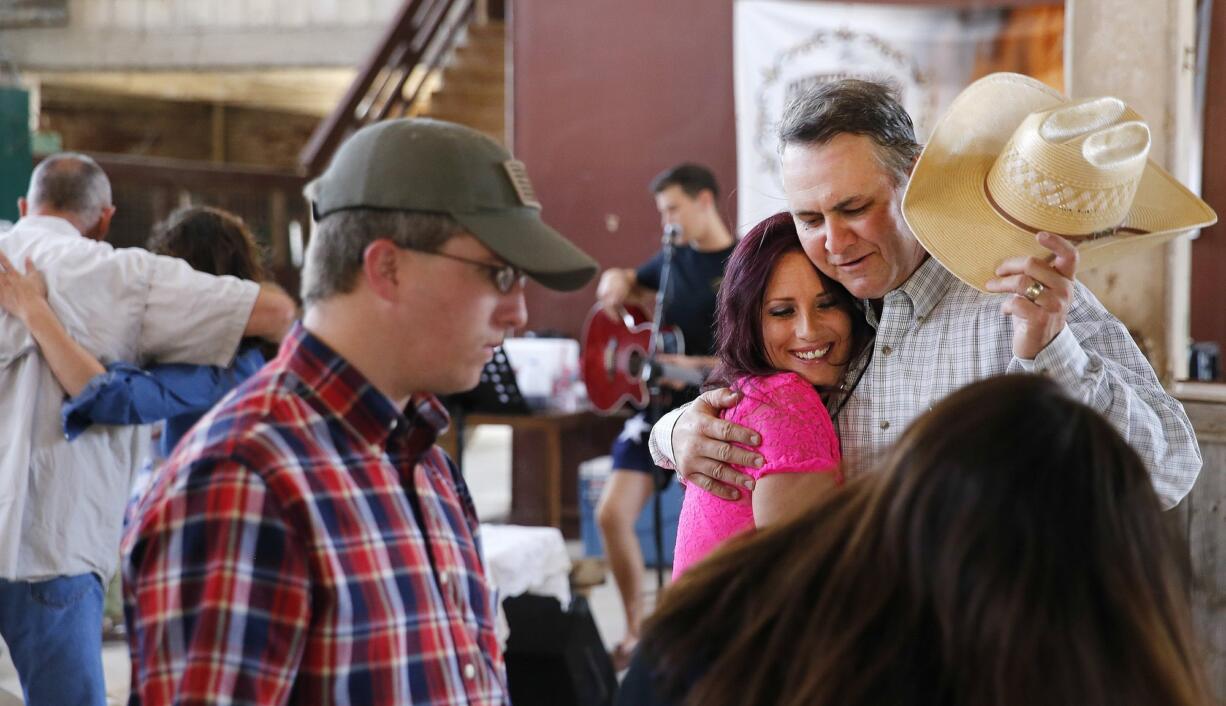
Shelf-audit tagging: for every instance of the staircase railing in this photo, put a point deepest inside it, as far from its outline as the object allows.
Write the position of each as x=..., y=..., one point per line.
x=398, y=74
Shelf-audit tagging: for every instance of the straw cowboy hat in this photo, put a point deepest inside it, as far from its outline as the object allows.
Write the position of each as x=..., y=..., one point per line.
x=1013, y=157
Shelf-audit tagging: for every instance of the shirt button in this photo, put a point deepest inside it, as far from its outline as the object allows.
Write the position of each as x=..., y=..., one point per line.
x=885, y=424
x=470, y=672
x=886, y=350
x=444, y=578
x=919, y=319
x=375, y=450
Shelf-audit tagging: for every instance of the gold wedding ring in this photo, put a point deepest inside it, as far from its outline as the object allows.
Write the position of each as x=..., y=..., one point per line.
x=1034, y=290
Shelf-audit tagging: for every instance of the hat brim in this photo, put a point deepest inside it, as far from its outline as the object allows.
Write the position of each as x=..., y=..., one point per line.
x=520, y=237
x=945, y=204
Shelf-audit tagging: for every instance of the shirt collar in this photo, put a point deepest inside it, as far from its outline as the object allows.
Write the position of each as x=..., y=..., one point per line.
x=50, y=226
x=928, y=285
x=349, y=396
x=924, y=288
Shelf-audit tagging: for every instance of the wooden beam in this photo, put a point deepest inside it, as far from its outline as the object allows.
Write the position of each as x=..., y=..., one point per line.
x=218, y=139
x=308, y=91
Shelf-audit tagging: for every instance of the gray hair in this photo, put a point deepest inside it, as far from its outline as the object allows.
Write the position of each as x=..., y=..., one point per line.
x=70, y=182
x=818, y=114
x=334, y=256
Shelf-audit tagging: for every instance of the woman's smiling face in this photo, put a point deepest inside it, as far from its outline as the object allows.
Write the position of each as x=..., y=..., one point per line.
x=803, y=329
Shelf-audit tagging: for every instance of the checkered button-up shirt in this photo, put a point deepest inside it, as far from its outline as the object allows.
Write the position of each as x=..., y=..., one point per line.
x=309, y=544
x=936, y=334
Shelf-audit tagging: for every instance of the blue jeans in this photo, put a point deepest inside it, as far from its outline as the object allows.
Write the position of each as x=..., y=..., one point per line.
x=54, y=632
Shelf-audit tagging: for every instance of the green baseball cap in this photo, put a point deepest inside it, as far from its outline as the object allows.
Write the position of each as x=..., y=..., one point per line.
x=419, y=164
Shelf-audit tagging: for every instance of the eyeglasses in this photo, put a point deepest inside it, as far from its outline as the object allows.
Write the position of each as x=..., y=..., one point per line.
x=504, y=277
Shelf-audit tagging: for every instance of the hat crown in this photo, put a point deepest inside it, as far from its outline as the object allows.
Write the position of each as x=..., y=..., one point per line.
x=1073, y=170
x=420, y=164
x=995, y=170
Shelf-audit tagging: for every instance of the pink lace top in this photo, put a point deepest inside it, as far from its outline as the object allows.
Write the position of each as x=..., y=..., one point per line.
x=797, y=437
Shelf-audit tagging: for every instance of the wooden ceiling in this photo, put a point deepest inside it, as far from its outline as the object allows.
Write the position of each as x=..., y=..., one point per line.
x=313, y=92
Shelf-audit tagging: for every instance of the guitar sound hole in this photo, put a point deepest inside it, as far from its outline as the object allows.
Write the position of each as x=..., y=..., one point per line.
x=634, y=364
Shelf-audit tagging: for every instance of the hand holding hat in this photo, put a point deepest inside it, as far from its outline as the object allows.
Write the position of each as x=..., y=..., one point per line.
x=1044, y=289
x=1018, y=185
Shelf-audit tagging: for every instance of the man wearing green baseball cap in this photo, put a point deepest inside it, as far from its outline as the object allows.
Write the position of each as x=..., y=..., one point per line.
x=308, y=537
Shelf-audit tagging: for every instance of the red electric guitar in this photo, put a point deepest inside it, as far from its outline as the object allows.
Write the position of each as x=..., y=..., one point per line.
x=614, y=361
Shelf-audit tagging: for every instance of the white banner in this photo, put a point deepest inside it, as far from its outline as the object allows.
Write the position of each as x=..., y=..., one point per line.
x=781, y=46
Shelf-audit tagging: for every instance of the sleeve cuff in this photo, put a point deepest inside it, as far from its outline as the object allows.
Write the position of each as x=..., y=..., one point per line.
x=75, y=411
x=660, y=443
x=1063, y=359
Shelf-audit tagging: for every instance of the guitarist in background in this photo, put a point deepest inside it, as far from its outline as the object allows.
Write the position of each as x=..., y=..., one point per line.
x=686, y=196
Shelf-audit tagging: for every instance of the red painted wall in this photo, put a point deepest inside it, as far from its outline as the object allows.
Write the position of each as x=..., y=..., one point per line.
x=606, y=94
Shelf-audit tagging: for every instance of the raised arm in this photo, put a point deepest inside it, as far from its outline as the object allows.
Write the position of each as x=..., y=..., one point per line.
x=1060, y=329
x=25, y=297
x=1096, y=360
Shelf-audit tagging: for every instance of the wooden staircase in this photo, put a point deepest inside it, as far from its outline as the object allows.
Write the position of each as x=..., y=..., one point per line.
x=471, y=89
x=439, y=58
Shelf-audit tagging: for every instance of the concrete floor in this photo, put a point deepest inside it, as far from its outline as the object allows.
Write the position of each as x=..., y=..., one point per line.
x=487, y=467
x=114, y=663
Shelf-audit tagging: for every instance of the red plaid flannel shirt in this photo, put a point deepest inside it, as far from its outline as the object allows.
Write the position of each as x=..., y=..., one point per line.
x=308, y=544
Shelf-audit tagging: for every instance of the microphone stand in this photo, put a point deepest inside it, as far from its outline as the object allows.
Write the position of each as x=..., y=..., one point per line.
x=672, y=234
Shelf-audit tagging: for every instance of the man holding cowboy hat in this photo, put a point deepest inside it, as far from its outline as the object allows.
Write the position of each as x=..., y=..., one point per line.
x=1016, y=187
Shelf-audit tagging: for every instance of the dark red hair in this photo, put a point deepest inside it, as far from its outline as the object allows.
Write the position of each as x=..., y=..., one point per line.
x=738, y=314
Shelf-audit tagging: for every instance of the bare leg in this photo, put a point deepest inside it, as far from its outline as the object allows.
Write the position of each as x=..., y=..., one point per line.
x=625, y=494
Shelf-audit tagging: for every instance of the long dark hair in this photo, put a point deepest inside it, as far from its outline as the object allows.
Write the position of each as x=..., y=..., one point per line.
x=738, y=312
x=1011, y=551
x=211, y=240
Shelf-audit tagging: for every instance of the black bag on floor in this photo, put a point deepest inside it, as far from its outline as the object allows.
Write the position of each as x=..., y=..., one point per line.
x=556, y=658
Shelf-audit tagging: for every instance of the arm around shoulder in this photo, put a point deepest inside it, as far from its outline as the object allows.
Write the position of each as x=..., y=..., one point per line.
x=660, y=442
x=198, y=318
x=701, y=446
x=24, y=295
x=272, y=314
x=799, y=445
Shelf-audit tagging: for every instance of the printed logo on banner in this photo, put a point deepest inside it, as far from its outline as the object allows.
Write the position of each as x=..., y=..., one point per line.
x=834, y=55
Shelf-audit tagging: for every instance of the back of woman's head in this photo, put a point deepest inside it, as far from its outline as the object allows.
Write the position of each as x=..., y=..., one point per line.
x=1028, y=532
x=1011, y=550
x=211, y=240
x=738, y=312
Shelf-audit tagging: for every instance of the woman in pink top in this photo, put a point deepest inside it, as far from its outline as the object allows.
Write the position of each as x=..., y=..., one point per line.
x=785, y=334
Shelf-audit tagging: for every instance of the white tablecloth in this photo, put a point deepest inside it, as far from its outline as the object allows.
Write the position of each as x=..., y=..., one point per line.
x=525, y=560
